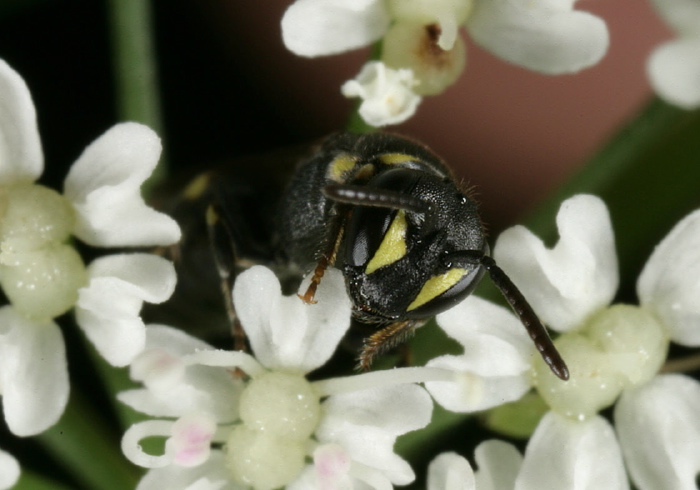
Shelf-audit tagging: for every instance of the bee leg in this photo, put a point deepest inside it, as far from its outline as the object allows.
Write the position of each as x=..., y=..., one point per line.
x=224, y=251
x=327, y=259
x=385, y=339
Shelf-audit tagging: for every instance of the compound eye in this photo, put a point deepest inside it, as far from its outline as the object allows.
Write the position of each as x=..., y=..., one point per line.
x=443, y=291
x=365, y=233
x=376, y=235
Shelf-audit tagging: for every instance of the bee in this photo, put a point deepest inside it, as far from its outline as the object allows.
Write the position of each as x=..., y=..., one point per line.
x=384, y=210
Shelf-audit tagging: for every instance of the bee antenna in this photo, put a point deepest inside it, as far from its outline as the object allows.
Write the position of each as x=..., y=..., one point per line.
x=533, y=325
x=375, y=197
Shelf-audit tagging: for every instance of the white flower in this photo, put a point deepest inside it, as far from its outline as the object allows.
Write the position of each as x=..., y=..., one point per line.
x=9, y=470
x=610, y=350
x=498, y=464
x=387, y=94
x=245, y=421
x=674, y=67
x=561, y=454
x=547, y=36
x=43, y=275
x=569, y=454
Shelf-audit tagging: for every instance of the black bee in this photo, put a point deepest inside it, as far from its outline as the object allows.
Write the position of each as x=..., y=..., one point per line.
x=381, y=208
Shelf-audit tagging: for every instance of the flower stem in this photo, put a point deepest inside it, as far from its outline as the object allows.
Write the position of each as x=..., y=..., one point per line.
x=135, y=69
x=33, y=481
x=82, y=442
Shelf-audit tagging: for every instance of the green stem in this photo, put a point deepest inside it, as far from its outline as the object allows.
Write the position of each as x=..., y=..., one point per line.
x=33, y=481
x=115, y=381
x=82, y=442
x=135, y=69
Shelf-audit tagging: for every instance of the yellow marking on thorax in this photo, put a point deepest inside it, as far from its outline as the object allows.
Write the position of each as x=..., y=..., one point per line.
x=340, y=165
x=395, y=158
x=211, y=216
x=393, y=245
x=435, y=286
x=197, y=187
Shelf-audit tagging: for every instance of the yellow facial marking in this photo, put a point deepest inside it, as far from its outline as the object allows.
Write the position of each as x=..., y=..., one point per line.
x=197, y=187
x=394, y=158
x=393, y=245
x=437, y=285
x=365, y=172
x=340, y=165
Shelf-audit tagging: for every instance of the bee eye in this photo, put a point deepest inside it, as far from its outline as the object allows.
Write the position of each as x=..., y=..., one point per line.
x=364, y=235
x=442, y=291
x=377, y=235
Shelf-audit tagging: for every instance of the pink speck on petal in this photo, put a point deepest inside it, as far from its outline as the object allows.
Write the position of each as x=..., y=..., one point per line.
x=332, y=465
x=191, y=440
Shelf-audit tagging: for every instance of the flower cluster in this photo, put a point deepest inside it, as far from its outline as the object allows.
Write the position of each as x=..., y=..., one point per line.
x=422, y=52
x=234, y=416
x=270, y=418
x=674, y=67
x=43, y=275
x=614, y=353
x=253, y=421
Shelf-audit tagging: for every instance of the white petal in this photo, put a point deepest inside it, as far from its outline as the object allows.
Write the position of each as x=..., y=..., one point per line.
x=563, y=453
x=578, y=276
x=366, y=424
x=21, y=156
x=307, y=480
x=33, y=373
x=473, y=391
x=674, y=72
x=539, y=35
x=175, y=341
x=681, y=15
x=321, y=27
x=498, y=463
x=450, y=471
x=9, y=470
x=669, y=282
x=494, y=368
x=659, y=432
x=104, y=185
x=108, y=307
x=200, y=389
x=490, y=333
x=387, y=94
x=284, y=332
x=211, y=475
